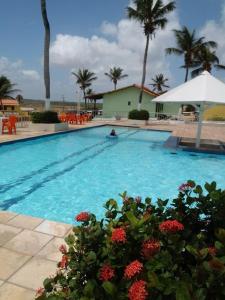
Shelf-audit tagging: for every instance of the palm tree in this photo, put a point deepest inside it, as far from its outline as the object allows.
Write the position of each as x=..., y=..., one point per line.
x=115, y=74
x=19, y=98
x=205, y=60
x=188, y=45
x=6, y=88
x=84, y=78
x=46, y=53
x=151, y=14
x=159, y=82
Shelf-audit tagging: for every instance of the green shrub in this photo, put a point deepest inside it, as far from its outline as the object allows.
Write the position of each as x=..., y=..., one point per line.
x=217, y=118
x=46, y=117
x=138, y=114
x=189, y=108
x=143, y=250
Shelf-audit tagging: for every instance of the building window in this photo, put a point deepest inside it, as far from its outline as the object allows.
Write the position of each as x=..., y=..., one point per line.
x=129, y=103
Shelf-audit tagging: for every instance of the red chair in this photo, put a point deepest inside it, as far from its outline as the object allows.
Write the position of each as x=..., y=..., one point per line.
x=9, y=124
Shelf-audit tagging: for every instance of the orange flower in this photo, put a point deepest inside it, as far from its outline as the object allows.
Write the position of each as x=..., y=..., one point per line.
x=118, y=235
x=106, y=273
x=64, y=261
x=150, y=248
x=83, y=217
x=133, y=269
x=138, y=290
x=171, y=226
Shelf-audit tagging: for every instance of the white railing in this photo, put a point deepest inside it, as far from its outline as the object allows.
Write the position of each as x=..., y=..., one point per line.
x=159, y=116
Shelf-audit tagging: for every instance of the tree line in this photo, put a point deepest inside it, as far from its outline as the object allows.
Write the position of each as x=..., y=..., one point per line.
x=152, y=15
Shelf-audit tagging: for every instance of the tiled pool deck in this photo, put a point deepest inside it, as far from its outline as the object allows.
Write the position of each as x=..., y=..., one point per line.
x=29, y=246
x=28, y=253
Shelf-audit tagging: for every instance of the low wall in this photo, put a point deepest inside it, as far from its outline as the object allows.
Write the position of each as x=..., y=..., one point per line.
x=48, y=127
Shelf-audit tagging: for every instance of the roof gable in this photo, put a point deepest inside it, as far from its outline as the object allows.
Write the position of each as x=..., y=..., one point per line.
x=101, y=95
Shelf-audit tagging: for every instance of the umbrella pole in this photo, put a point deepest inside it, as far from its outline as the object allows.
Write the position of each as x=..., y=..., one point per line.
x=199, y=129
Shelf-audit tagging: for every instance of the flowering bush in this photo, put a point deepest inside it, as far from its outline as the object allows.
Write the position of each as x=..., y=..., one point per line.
x=146, y=251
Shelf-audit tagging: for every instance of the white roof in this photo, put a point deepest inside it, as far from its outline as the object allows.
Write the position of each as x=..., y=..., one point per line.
x=202, y=89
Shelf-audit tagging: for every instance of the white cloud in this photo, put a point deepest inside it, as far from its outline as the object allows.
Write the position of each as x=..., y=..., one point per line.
x=31, y=74
x=214, y=30
x=17, y=74
x=108, y=28
x=125, y=50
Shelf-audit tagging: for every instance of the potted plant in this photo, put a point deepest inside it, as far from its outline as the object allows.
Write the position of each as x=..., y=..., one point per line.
x=46, y=121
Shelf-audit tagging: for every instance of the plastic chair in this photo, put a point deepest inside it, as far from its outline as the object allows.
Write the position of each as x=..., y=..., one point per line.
x=9, y=124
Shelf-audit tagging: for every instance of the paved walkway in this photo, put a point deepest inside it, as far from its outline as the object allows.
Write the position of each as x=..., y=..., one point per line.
x=28, y=253
x=209, y=131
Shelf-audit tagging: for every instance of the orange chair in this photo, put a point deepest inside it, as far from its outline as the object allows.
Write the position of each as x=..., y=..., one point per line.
x=9, y=124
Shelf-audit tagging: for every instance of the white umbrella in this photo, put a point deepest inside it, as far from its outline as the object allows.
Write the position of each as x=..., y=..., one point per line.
x=203, y=89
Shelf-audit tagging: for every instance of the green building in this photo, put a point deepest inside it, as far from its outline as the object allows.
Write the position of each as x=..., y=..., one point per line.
x=119, y=102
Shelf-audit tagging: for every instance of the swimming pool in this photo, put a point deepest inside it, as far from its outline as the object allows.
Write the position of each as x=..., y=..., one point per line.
x=58, y=176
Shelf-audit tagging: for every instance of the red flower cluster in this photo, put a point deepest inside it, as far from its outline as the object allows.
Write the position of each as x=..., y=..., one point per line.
x=212, y=251
x=83, y=217
x=171, y=226
x=118, y=235
x=126, y=200
x=62, y=249
x=185, y=187
x=138, y=199
x=106, y=273
x=64, y=261
x=150, y=248
x=138, y=290
x=39, y=292
x=133, y=269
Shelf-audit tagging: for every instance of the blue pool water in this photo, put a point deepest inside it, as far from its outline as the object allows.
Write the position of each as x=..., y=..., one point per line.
x=58, y=176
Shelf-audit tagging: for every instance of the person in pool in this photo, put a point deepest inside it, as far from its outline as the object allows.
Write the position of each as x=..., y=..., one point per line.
x=113, y=133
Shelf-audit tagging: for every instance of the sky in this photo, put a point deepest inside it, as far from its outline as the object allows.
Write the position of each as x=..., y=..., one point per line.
x=96, y=35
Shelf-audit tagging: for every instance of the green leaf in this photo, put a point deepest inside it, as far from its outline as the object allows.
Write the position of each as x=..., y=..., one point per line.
x=218, y=245
x=89, y=288
x=203, y=253
x=192, y=250
x=109, y=288
x=131, y=217
x=91, y=257
x=198, y=190
x=200, y=294
x=220, y=234
x=153, y=279
x=182, y=292
x=48, y=284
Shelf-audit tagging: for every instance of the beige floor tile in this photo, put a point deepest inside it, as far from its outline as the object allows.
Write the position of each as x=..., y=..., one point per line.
x=7, y=233
x=26, y=222
x=39, y=267
x=10, y=291
x=5, y=216
x=28, y=242
x=54, y=228
x=51, y=250
x=10, y=262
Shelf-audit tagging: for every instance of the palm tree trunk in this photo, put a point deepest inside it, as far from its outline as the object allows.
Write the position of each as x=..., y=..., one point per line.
x=85, y=100
x=95, y=107
x=115, y=83
x=186, y=75
x=144, y=71
x=46, y=53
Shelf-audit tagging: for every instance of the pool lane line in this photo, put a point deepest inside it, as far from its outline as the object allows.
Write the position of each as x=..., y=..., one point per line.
x=6, y=187
x=6, y=204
